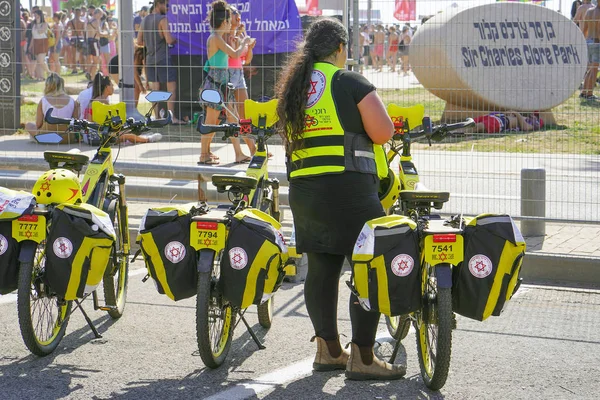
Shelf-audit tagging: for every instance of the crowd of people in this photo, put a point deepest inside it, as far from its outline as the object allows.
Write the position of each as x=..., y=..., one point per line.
x=385, y=45
x=80, y=40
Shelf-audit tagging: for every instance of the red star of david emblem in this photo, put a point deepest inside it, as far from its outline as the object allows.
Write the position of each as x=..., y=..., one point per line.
x=175, y=252
x=403, y=265
x=313, y=88
x=28, y=234
x=480, y=266
x=63, y=248
x=237, y=258
x=45, y=186
x=442, y=257
x=207, y=242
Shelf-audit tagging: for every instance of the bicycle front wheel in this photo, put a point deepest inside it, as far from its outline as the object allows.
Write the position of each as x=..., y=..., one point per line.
x=215, y=317
x=434, y=331
x=265, y=313
x=43, y=317
x=115, y=277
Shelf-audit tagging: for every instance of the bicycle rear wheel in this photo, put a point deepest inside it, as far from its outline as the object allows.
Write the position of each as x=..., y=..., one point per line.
x=215, y=317
x=43, y=317
x=434, y=331
x=116, y=275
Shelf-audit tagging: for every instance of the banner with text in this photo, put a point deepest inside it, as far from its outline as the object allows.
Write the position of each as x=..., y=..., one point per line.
x=274, y=23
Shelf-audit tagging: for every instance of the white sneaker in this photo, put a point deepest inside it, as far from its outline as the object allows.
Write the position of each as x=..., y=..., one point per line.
x=153, y=137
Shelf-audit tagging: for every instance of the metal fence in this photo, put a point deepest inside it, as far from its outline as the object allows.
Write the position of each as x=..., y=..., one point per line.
x=459, y=59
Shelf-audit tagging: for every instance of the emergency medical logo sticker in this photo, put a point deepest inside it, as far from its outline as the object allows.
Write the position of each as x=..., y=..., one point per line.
x=480, y=266
x=175, y=251
x=402, y=265
x=316, y=89
x=3, y=245
x=62, y=247
x=238, y=258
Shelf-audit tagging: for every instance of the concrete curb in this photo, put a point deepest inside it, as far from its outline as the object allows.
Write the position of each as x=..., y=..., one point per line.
x=568, y=270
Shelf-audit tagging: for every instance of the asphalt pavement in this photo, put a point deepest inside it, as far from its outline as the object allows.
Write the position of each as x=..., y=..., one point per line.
x=544, y=346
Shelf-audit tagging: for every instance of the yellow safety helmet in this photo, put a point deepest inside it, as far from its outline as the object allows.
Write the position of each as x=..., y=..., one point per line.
x=57, y=186
x=389, y=190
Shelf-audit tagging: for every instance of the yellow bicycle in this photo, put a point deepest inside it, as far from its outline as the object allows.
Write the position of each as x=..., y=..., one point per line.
x=441, y=246
x=247, y=190
x=97, y=206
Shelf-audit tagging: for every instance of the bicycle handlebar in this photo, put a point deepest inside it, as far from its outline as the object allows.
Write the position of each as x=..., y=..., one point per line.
x=435, y=132
x=129, y=125
x=233, y=129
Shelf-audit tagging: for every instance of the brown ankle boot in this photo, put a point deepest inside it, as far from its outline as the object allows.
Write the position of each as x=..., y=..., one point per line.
x=376, y=370
x=324, y=361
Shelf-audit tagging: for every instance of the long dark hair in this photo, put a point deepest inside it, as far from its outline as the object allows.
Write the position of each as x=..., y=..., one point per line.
x=101, y=82
x=219, y=13
x=323, y=38
x=41, y=14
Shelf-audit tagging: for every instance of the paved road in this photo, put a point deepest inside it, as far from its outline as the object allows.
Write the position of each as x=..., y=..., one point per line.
x=545, y=346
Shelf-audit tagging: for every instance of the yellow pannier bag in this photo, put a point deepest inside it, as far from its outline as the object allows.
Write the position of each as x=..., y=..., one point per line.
x=78, y=248
x=254, y=257
x=489, y=275
x=386, y=266
x=165, y=243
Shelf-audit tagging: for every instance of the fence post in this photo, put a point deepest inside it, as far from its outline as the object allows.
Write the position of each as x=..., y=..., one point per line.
x=533, y=201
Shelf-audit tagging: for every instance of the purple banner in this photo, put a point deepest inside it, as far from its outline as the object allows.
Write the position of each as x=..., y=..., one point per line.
x=275, y=24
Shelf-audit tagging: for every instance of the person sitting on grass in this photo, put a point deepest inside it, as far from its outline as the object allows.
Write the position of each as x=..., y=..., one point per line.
x=63, y=107
x=507, y=122
x=102, y=90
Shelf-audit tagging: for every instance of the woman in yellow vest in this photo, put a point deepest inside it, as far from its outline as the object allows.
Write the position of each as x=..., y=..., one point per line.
x=333, y=123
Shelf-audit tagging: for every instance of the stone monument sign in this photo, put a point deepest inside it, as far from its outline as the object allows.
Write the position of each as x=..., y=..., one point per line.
x=503, y=56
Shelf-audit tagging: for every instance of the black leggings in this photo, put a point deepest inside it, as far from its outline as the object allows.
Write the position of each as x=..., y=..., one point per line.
x=321, y=297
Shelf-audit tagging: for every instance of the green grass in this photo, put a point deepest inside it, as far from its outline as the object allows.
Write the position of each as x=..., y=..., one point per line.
x=577, y=129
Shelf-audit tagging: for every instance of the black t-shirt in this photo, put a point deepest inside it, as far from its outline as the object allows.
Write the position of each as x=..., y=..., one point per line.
x=330, y=210
x=349, y=88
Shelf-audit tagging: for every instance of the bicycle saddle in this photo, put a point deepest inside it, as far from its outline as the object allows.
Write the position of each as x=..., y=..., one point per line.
x=245, y=184
x=254, y=109
x=75, y=161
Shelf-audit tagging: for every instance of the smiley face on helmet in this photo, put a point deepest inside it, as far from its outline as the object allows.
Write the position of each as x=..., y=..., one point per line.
x=57, y=186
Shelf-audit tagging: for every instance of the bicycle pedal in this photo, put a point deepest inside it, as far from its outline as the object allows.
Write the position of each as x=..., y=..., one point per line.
x=108, y=308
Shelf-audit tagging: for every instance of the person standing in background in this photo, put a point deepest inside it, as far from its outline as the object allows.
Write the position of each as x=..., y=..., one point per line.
x=590, y=26
x=393, y=49
x=378, y=41
x=39, y=45
x=216, y=68
x=155, y=35
x=236, y=77
x=137, y=20
x=57, y=28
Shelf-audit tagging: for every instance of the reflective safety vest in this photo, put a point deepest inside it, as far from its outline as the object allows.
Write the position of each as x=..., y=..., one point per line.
x=328, y=149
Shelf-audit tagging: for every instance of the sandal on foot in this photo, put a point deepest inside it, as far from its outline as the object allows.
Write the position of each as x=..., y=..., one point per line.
x=210, y=161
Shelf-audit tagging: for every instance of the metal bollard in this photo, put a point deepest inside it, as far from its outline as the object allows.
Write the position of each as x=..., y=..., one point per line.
x=533, y=201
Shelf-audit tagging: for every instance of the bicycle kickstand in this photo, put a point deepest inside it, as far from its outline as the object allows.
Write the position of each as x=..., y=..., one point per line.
x=251, y=331
x=87, y=319
x=398, y=342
